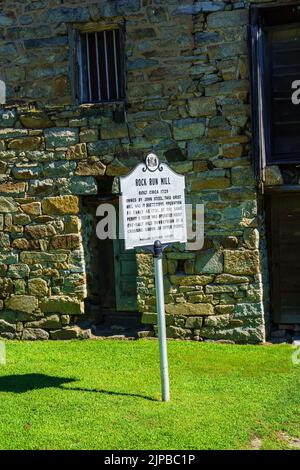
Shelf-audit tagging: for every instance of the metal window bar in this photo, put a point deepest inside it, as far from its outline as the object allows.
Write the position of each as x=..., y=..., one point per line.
x=98, y=67
x=116, y=64
x=88, y=68
x=81, y=67
x=106, y=66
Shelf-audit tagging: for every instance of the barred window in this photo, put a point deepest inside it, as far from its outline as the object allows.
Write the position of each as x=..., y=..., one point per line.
x=100, y=66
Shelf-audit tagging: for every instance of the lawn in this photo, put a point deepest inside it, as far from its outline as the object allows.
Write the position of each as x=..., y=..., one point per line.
x=106, y=395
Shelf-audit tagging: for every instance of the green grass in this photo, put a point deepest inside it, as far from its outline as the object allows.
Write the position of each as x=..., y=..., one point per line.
x=106, y=395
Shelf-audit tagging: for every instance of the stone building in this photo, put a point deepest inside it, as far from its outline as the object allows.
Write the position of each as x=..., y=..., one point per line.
x=88, y=88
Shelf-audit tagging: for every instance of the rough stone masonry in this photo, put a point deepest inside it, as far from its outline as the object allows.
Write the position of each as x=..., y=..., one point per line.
x=187, y=95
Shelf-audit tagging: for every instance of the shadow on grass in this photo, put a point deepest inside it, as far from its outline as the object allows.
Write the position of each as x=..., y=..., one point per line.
x=109, y=392
x=27, y=382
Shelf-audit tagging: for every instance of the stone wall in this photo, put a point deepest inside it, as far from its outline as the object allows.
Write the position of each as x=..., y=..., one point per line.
x=188, y=101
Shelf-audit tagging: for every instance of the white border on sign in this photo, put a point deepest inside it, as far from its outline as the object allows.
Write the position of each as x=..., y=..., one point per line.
x=178, y=235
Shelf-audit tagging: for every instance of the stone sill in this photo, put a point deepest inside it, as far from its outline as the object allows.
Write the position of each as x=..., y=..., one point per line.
x=32, y=106
x=283, y=188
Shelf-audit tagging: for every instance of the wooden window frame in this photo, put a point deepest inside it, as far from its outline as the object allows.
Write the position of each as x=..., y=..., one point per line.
x=74, y=31
x=261, y=17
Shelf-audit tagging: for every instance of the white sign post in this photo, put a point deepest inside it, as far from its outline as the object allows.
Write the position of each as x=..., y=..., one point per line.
x=153, y=216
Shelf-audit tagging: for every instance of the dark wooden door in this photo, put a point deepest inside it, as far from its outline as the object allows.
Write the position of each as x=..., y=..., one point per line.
x=125, y=277
x=284, y=254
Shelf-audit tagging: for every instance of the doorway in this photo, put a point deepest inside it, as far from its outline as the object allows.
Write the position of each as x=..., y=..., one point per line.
x=111, y=271
x=283, y=224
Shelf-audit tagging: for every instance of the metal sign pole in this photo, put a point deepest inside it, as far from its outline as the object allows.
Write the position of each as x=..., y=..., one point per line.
x=160, y=303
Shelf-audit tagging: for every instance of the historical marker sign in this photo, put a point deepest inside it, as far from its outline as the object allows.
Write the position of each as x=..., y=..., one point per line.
x=153, y=213
x=152, y=205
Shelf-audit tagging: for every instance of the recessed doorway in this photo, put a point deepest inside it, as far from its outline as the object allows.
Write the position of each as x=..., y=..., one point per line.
x=283, y=224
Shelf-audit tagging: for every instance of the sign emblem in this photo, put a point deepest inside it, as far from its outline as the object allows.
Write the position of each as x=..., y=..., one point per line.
x=152, y=162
